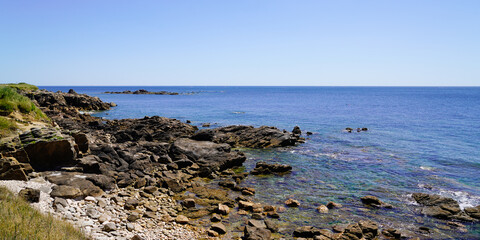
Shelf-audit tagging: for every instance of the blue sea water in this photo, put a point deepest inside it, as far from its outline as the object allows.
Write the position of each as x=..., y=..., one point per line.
x=419, y=139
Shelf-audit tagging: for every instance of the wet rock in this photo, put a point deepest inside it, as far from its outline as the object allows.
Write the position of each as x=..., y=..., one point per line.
x=227, y=184
x=30, y=195
x=332, y=205
x=245, y=205
x=369, y=229
x=219, y=228
x=11, y=169
x=271, y=225
x=189, y=203
x=256, y=223
x=306, y=232
x=296, y=130
x=322, y=209
x=352, y=231
x=215, y=218
x=373, y=201
x=64, y=191
x=292, y=203
x=253, y=233
x=437, y=206
x=473, y=212
x=248, y=136
x=223, y=209
x=265, y=168
x=248, y=191
x=212, y=233
x=392, y=233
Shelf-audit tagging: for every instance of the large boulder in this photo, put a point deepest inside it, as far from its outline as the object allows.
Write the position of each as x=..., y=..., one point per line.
x=51, y=155
x=59, y=99
x=254, y=233
x=248, y=136
x=208, y=156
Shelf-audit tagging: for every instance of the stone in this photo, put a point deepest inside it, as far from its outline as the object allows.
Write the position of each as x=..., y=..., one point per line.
x=64, y=191
x=306, y=232
x=60, y=202
x=369, y=229
x=130, y=227
x=292, y=203
x=136, y=237
x=90, y=199
x=473, y=212
x=438, y=206
x=215, y=218
x=253, y=233
x=51, y=155
x=181, y=219
x=332, y=205
x=322, y=209
x=219, y=228
x=248, y=191
x=256, y=223
x=223, y=209
x=189, y=203
x=266, y=168
x=131, y=204
x=257, y=216
x=150, y=189
x=92, y=213
x=30, y=195
x=103, y=218
x=271, y=225
x=245, y=205
x=109, y=227
x=371, y=201
x=133, y=216
x=212, y=233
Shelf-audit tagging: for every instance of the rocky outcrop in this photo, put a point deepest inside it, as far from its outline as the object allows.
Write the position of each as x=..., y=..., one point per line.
x=266, y=168
x=248, y=136
x=58, y=100
x=208, y=156
x=438, y=206
x=149, y=129
x=143, y=91
x=11, y=169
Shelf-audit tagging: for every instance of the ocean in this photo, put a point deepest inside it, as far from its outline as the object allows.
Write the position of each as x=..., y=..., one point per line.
x=419, y=139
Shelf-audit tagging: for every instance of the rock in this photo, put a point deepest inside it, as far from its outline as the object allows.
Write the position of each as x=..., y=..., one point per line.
x=51, y=155
x=136, y=237
x=189, y=203
x=245, y=205
x=219, y=228
x=256, y=223
x=223, y=209
x=296, y=130
x=248, y=191
x=11, y=169
x=306, y=232
x=208, y=155
x=373, y=201
x=292, y=203
x=150, y=189
x=332, y=205
x=181, y=219
x=437, y=206
x=352, y=231
x=131, y=204
x=30, y=195
x=322, y=209
x=92, y=213
x=212, y=233
x=109, y=226
x=103, y=218
x=265, y=168
x=82, y=141
x=90, y=199
x=253, y=233
x=309, y=133
x=133, y=216
x=64, y=191
x=392, y=233
x=247, y=136
x=473, y=212
x=60, y=202
x=227, y=184
x=215, y=218
x=369, y=229
x=271, y=225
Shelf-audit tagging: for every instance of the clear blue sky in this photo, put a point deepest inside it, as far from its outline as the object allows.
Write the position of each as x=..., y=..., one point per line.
x=259, y=42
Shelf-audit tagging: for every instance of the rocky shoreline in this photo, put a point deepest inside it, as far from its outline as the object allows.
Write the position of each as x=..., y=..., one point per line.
x=150, y=178
x=142, y=91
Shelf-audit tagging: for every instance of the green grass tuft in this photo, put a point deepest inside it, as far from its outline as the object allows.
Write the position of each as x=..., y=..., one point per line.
x=7, y=126
x=11, y=100
x=20, y=86
x=20, y=221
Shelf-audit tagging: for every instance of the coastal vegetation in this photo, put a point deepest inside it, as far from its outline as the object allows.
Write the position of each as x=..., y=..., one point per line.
x=21, y=221
x=20, y=86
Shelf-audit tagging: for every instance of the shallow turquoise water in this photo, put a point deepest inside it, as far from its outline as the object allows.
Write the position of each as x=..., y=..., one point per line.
x=419, y=139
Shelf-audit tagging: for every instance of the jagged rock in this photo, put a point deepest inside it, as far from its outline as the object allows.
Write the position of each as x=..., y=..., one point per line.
x=90, y=164
x=215, y=218
x=271, y=225
x=109, y=226
x=369, y=229
x=81, y=140
x=332, y=205
x=256, y=223
x=473, y=212
x=11, y=169
x=373, y=201
x=189, y=203
x=266, y=168
x=59, y=99
x=30, y=195
x=227, y=184
x=247, y=136
x=223, y=209
x=208, y=155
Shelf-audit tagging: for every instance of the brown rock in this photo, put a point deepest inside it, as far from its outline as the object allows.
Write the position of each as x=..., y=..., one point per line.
x=292, y=203
x=64, y=191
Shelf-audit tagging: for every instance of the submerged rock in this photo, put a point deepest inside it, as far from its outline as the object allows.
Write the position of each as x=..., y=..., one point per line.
x=266, y=168
x=437, y=206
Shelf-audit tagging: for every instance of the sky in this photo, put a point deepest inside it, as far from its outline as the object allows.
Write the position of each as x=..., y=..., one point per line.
x=241, y=43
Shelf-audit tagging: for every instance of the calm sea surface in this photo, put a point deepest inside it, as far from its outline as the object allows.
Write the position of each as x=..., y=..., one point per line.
x=420, y=139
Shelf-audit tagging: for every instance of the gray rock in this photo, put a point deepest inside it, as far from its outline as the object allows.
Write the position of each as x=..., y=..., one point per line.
x=109, y=227
x=219, y=228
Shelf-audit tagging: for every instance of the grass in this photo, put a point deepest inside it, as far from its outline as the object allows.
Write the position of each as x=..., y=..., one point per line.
x=7, y=126
x=20, y=86
x=11, y=100
x=18, y=220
